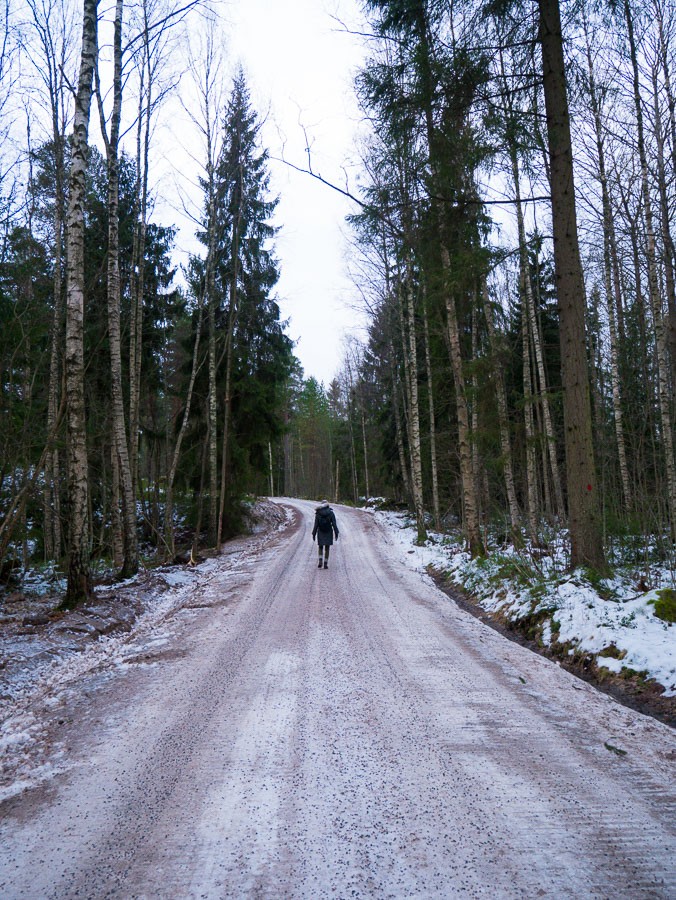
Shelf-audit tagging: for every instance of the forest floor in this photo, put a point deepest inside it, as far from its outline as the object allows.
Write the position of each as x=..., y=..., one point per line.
x=264, y=728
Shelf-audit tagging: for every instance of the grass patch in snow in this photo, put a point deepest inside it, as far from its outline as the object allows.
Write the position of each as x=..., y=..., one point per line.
x=665, y=605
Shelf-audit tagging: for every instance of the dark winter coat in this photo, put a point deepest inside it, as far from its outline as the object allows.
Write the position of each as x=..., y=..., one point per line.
x=325, y=526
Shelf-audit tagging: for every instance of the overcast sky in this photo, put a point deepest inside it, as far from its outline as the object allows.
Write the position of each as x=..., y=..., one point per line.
x=300, y=65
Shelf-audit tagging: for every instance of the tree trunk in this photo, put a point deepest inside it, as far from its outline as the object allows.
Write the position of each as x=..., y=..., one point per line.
x=433, y=433
x=667, y=240
x=79, y=581
x=653, y=286
x=52, y=498
x=398, y=427
x=214, y=528
x=130, y=537
x=411, y=369
x=671, y=101
x=529, y=429
x=366, y=458
x=197, y=536
x=138, y=264
x=611, y=301
x=583, y=502
x=229, y=350
x=169, y=500
x=469, y=487
x=474, y=420
x=503, y=418
x=116, y=527
x=529, y=300
x=272, y=483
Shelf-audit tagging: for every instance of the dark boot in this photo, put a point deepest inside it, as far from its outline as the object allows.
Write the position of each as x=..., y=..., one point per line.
x=320, y=563
x=326, y=563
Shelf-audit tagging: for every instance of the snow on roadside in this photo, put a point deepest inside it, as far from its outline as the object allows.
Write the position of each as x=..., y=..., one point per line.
x=45, y=678
x=41, y=663
x=612, y=619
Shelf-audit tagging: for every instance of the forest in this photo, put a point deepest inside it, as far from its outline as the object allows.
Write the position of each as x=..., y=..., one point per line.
x=511, y=246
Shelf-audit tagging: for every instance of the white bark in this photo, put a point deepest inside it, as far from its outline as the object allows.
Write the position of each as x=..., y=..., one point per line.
x=79, y=584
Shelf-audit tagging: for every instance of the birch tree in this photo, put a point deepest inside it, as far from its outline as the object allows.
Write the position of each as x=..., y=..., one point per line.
x=111, y=138
x=79, y=580
x=53, y=28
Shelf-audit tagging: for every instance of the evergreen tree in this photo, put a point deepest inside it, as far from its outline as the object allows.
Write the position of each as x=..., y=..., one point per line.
x=250, y=358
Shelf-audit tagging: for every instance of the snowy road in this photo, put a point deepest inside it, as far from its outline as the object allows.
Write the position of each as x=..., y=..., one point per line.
x=342, y=733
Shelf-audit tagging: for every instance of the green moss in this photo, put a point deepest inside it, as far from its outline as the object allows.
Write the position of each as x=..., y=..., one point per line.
x=665, y=606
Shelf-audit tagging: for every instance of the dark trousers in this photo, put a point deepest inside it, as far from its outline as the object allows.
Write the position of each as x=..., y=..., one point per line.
x=326, y=548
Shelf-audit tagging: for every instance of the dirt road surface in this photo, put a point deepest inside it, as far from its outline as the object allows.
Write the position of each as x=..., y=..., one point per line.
x=301, y=733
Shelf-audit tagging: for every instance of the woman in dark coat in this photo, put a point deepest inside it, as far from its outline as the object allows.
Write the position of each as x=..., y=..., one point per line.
x=324, y=529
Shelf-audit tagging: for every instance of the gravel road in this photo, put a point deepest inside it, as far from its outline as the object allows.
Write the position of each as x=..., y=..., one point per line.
x=297, y=733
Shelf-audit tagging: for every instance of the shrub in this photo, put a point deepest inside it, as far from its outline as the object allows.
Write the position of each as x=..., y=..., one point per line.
x=665, y=606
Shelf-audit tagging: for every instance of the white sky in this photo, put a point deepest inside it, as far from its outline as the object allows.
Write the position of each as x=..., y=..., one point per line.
x=300, y=70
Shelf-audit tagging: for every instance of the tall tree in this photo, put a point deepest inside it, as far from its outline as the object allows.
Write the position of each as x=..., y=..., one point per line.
x=121, y=465
x=243, y=251
x=582, y=485
x=79, y=580
x=51, y=20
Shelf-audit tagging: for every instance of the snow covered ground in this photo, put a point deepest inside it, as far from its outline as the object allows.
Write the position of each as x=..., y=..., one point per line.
x=612, y=619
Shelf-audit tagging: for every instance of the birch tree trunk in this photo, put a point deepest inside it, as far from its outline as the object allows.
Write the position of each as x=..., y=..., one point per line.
x=229, y=350
x=583, y=501
x=398, y=425
x=79, y=580
x=412, y=411
x=169, y=500
x=116, y=526
x=54, y=47
x=414, y=415
x=52, y=497
x=138, y=251
x=119, y=431
x=366, y=458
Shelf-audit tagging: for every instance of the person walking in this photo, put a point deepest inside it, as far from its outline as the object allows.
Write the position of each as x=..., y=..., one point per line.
x=324, y=529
